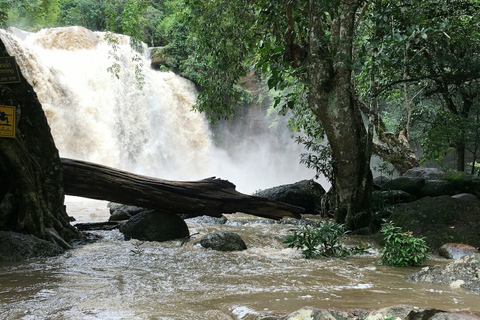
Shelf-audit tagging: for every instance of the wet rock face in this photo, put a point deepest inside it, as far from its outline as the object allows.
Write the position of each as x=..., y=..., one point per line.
x=436, y=188
x=119, y=212
x=223, y=241
x=305, y=193
x=155, y=226
x=463, y=272
x=425, y=173
x=411, y=185
x=456, y=250
x=441, y=220
x=400, y=312
x=18, y=247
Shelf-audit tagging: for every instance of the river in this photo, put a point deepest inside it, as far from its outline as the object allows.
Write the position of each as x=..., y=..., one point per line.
x=115, y=279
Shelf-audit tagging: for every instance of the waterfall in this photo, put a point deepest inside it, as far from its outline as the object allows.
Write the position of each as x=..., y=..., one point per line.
x=97, y=117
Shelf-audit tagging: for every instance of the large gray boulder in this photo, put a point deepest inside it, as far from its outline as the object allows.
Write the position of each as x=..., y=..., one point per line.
x=223, y=241
x=411, y=185
x=155, y=226
x=425, y=173
x=381, y=199
x=380, y=181
x=440, y=220
x=436, y=188
x=306, y=194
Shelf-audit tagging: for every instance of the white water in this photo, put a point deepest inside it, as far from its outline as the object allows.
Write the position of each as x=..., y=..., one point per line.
x=113, y=279
x=98, y=118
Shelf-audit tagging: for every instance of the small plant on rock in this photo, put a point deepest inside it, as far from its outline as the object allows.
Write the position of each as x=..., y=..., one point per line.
x=137, y=250
x=321, y=239
x=402, y=249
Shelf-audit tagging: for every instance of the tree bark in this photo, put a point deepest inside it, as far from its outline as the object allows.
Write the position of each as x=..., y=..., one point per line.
x=211, y=196
x=331, y=98
x=460, y=156
x=31, y=192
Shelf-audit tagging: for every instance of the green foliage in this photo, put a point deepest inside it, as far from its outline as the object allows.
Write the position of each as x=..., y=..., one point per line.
x=401, y=248
x=114, y=69
x=87, y=13
x=441, y=136
x=4, y=7
x=178, y=41
x=133, y=19
x=446, y=130
x=29, y=14
x=224, y=37
x=321, y=239
x=426, y=67
x=453, y=176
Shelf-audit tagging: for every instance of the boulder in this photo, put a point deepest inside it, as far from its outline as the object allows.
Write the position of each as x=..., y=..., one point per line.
x=157, y=57
x=18, y=247
x=387, y=198
x=382, y=202
x=400, y=312
x=207, y=220
x=155, y=226
x=380, y=181
x=464, y=183
x=223, y=241
x=466, y=196
x=425, y=173
x=463, y=272
x=456, y=250
x=119, y=212
x=306, y=194
x=407, y=184
x=435, y=188
x=440, y=220
x=403, y=312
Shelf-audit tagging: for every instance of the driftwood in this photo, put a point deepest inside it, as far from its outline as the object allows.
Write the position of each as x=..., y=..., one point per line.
x=211, y=196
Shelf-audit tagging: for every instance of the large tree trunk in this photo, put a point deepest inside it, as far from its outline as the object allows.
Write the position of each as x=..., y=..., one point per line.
x=211, y=196
x=331, y=98
x=31, y=186
x=460, y=157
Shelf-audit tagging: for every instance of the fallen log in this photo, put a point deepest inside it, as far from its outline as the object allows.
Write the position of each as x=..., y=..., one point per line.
x=211, y=196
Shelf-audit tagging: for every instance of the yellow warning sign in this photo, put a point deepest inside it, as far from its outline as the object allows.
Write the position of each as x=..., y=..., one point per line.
x=9, y=70
x=7, y=121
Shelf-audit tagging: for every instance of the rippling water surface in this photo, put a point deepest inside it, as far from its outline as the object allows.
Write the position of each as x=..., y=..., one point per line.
x=116, y=279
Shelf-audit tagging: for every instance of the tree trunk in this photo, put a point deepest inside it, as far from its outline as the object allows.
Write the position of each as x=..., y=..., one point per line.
x=31, y=192
x=331, y=98
x=460, y=156
x=211, y=196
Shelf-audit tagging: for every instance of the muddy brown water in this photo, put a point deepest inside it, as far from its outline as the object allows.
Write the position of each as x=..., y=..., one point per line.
x=116, y=279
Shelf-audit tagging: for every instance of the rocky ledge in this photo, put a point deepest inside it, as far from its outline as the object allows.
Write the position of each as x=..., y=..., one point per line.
x=461, y=273
x=389, y=313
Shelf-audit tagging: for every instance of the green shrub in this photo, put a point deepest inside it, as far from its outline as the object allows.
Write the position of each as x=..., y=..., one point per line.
x=322, y=238
x=402, y=249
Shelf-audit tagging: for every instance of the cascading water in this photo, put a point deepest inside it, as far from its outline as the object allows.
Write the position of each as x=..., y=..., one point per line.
x=98, y=117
